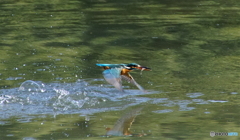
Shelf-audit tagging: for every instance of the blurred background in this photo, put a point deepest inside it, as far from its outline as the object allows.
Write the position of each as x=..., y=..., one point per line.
x=52, y=89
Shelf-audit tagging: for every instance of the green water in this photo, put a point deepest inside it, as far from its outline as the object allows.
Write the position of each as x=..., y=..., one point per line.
x=192, y=47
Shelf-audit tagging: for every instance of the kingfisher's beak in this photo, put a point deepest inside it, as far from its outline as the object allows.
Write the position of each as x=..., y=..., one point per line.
x=144, y=68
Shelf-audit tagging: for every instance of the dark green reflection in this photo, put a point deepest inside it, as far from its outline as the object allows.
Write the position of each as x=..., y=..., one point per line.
x=192, y=46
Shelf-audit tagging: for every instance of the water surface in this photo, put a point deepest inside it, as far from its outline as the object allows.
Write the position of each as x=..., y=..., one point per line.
x=191, y=46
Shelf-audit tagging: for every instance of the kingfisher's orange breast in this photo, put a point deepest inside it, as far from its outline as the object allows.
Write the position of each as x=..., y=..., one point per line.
x=125, y=72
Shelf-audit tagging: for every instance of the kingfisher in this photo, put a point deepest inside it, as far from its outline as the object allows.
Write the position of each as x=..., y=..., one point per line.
x=114, y=73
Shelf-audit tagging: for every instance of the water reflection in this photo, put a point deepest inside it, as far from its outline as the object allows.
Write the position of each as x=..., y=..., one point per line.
x=123, y=124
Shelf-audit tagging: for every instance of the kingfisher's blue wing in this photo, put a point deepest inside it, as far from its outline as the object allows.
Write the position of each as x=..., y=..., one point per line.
x=113, y=77
x=103, y=65
x=111, y=65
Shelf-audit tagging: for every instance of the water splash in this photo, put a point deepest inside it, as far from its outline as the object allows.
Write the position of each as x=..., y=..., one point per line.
x=4, y=99
x=83, y=97
x=64, y=100
x=30, y=85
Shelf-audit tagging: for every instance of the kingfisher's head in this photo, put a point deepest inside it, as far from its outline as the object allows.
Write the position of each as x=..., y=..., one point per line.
x=133, y=66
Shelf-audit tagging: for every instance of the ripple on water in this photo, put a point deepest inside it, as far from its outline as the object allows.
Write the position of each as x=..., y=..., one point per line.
x=163, y=111
x=183, y=104
x=194, y=95
x=28, y=138
x=200, y=101
x=217, y=101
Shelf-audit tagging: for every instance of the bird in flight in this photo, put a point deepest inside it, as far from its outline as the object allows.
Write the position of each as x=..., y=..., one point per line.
x=114, y=73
